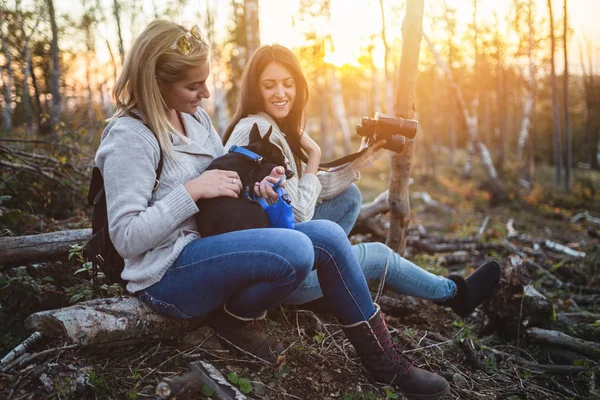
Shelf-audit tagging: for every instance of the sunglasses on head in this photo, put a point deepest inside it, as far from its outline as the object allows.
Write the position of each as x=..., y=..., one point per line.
x=184, y=43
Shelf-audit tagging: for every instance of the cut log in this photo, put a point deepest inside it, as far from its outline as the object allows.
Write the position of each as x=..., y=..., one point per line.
x=106, y=322
x=40, y=247
x=590, y=349
x=202, y=374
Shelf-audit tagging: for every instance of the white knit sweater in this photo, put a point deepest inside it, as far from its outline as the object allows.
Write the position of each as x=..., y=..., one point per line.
x=309, y=189
x=150, y=229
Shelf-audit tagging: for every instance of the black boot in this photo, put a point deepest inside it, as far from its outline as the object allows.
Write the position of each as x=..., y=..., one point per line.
x=245, y=334
x=386, y=363
x=470, y=292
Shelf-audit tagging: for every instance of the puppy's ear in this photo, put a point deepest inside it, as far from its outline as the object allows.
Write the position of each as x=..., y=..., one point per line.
x=268, y=135
x=254, y=134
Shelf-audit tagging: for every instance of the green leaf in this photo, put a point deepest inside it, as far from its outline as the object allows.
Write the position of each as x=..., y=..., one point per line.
x=245, y=385
x=207, y=391
x=233, y=378
x=319, y=337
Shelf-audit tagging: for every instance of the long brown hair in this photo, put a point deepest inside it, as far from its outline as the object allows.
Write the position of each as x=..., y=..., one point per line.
x=251, y=101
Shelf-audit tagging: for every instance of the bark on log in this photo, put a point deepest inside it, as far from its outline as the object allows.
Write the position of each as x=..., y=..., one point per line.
x=560, y=339
x=202, y=373
x=40, y=247
x=107, y=322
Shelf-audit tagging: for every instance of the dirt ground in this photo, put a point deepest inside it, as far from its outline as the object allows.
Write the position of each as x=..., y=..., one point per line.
x=319, y=362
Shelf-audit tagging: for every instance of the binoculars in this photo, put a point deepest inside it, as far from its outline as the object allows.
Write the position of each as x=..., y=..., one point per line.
x=396, y=131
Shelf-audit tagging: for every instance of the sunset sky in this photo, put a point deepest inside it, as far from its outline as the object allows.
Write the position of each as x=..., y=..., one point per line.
x=354, y=21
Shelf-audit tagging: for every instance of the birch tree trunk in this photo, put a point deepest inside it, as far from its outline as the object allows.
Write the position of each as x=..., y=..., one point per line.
x=8, y=85
x=88, y=27
x=375, y=82
x=501, y=102
x=339, y=110
x=252, y=26
x=26, y=95
x=389, y=86
x=219, y=91
x=524, y=136
x=471, y=123
x=117, y=15
x=555, y=115
x=55, y=88
x=326, y=135
x=405, y=108
x=36, y=91
x=568, y=161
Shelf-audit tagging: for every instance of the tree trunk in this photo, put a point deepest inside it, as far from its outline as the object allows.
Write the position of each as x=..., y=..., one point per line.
x=501, y=102
x=471, y=124
x=252, y=26
x=523, y=149
x=55, y=83
x=389, y=85
x=36, y=91
x=555, y=115
x=339, y=110
x=8, y=85
x=405, y=108
x=23, y=249
x=117, y=15
x=219, y=91
x=26, y=95
x=568, y=161
x=109, y=322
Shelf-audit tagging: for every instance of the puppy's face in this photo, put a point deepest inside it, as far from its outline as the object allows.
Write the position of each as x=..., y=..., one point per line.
x=271, y=154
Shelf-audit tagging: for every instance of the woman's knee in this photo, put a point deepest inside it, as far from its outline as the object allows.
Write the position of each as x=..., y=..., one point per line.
x=297, y=249
x=354, y=195
x=325, y=233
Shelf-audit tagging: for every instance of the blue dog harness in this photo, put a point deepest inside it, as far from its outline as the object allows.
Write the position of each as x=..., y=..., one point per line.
x=280, y=214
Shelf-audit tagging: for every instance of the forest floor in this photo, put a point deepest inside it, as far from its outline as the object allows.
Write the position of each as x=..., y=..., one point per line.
x=319, y=363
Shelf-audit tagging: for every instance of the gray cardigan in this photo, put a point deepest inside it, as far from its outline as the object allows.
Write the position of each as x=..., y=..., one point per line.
x=308, y=190
x=150, y=229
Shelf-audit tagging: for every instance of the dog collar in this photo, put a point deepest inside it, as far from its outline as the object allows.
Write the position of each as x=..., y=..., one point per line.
x=247, y=153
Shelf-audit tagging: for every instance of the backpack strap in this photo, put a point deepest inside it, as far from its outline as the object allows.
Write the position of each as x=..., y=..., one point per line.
x=161, y=158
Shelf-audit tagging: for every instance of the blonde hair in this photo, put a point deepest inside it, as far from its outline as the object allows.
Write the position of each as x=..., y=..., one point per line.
x=150, y=60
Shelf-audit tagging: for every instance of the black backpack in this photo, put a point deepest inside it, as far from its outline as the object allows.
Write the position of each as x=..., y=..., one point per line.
x=99, y=250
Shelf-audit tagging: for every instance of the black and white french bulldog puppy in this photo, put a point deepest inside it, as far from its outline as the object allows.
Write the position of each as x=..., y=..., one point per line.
x=226, y=214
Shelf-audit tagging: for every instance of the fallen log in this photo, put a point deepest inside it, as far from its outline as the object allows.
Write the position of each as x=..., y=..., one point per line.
x=21, y=249
x=108, y=322
x=202, y=374
x=20, y=349
x=544, y=368
x=538, y=335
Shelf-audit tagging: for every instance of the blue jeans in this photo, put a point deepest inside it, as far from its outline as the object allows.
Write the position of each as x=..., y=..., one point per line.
x=254, y=270
x=342, y=209
x=403, y=276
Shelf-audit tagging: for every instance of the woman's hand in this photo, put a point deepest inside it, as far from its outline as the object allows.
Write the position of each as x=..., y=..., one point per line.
x=313, y=152
x=264, y=188
x=214, y=183
x=366, y=158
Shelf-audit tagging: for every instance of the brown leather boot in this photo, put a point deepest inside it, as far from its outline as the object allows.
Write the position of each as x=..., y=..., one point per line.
x=245, y=334
x=386, y=363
